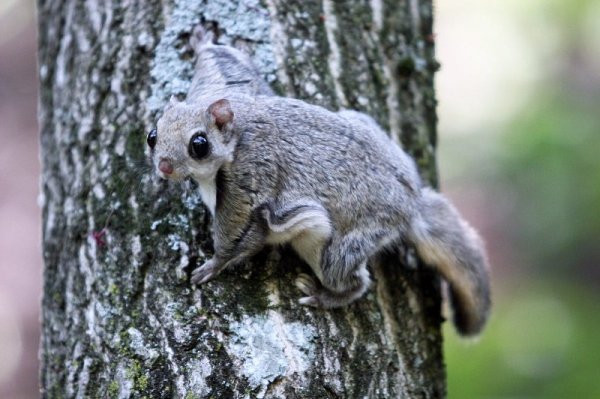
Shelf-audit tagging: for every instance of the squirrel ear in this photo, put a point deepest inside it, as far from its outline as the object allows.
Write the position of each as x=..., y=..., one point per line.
x=221, y=112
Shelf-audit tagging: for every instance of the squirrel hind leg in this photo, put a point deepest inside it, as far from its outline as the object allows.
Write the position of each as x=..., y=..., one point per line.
x=304, y=224
x=447, y=243
x=345, y=277
x=338, y=261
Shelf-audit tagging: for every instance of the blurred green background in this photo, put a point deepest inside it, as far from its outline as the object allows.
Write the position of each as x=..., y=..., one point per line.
x=519, y=94
x=519, y=108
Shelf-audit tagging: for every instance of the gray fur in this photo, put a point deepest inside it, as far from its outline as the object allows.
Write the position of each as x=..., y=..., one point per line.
x=333, y=185
x=225, y=70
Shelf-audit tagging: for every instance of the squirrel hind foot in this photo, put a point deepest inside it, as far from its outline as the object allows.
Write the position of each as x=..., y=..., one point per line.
x=319, y=296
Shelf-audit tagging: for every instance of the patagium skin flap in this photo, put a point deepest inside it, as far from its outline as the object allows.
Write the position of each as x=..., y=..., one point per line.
x=275, y=170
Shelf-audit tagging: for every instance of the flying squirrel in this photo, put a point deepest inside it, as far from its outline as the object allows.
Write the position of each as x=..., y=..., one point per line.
x=274, y=170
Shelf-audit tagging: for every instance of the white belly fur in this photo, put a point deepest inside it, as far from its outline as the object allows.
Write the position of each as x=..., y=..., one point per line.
x=208, y=192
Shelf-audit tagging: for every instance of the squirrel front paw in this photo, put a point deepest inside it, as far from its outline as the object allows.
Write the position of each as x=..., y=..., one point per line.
x=207, y=271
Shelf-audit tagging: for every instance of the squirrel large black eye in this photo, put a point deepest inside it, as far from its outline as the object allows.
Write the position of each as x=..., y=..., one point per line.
x=151, y=139
x=199, y=147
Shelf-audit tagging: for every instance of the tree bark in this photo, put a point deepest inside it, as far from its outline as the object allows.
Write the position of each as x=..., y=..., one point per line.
x=120, y=318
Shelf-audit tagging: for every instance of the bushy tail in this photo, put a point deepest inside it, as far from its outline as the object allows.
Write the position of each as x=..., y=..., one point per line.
x=447, y=243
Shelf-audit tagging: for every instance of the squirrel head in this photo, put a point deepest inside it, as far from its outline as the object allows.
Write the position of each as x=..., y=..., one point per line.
x=192, y=141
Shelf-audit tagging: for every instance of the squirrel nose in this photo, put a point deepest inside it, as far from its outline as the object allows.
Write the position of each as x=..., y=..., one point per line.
x=165, y=166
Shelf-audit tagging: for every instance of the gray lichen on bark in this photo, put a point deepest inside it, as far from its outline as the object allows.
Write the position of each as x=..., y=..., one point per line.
x=120, y=318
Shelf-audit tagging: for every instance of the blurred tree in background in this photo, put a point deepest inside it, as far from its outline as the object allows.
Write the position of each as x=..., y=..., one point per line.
x=540, y=180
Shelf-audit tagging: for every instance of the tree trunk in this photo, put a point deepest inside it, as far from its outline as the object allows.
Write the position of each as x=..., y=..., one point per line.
x=120, y=318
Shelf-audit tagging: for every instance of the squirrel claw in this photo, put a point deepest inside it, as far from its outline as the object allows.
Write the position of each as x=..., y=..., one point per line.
x=310, y=301
x=306, y=284
x=202, y=274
